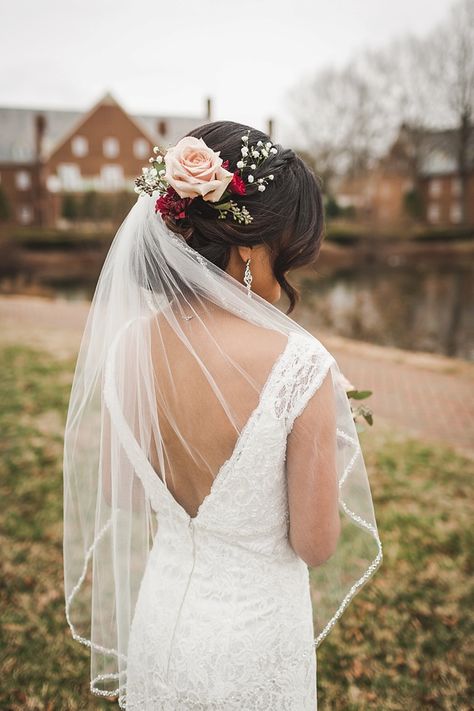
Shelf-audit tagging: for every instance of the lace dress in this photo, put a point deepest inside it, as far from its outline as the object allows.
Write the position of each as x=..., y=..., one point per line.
x=223, y=619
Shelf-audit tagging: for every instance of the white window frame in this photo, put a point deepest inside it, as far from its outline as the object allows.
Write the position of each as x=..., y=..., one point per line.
x=53, y=183
x=434, y=188
x=111, y=176
x=111, y=147
x=25, y=214
x=433, y=212
x=455, y=212
x=141, y=148
x=79, y=146
x=70, y=176
x=23, y=180
x=456, y=187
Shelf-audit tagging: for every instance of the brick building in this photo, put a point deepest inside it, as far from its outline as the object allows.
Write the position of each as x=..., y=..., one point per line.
x=417, y=179
x=45, y=154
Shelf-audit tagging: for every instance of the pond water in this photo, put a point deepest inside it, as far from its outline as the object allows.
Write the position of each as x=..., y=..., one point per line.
x=418, y=308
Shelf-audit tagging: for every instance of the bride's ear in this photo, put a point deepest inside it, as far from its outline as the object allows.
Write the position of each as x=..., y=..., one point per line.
x=245, y=253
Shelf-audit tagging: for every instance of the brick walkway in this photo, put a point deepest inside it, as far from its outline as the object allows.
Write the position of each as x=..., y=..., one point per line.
x=428, y=396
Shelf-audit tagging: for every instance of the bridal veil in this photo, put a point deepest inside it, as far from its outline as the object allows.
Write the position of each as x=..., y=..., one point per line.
x=158, y=358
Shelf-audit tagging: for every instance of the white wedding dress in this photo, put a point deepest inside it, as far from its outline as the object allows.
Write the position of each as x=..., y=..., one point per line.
x=223, y=619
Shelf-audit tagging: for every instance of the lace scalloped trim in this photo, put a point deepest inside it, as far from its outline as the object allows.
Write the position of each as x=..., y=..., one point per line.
x=84, y=640
x=364, y=524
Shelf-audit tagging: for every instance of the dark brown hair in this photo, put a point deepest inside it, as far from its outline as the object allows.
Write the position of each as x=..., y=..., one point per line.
x=287, y=216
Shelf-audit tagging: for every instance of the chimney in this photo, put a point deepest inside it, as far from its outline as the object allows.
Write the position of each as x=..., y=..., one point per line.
x=40, y=127
x=161, y=127
x=39, y=193
x=208, y=108
x=270, y=129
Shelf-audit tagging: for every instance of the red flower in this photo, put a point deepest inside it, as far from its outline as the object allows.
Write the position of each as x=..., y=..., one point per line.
x=236, y=185
x=172, y=205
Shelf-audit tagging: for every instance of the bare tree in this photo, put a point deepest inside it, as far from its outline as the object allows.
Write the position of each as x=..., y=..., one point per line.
x=337, y=117
x=453, y=46
x=347, y=118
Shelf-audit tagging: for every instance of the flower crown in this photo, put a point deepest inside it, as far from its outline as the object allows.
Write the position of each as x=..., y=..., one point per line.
x=191, y=170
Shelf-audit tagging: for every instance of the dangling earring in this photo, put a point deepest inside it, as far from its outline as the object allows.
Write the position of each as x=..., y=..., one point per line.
x=248, y=278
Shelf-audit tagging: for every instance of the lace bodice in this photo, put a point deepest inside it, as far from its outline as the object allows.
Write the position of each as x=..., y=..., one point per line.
x=224, y=617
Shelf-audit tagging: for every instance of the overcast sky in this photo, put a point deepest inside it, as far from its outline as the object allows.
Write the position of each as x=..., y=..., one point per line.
x=167, y=57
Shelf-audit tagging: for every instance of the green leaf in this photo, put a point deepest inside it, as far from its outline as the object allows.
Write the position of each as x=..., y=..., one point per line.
x=359, y=394
x=368, y=417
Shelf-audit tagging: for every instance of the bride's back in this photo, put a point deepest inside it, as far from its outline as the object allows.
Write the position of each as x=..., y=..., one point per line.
x=207, y=383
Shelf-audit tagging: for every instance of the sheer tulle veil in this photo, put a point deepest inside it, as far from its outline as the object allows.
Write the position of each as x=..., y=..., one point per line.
x=158, y=327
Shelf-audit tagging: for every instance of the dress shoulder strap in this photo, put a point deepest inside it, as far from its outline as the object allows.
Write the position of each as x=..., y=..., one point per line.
x=300, y=373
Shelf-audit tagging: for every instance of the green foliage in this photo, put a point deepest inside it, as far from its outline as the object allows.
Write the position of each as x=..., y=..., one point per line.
x=345, y=237
x=360, y=411
x=332, y=208
x=91, y=205
x=445, y=234
x=413, y=203
x=69, y=207
x=96, y=206
x=359, y=394
x=51, y=238
x=403, y=643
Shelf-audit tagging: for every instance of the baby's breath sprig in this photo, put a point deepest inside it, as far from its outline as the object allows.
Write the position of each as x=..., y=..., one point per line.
x=252, y=156
x=241, y=214
x=152, y=178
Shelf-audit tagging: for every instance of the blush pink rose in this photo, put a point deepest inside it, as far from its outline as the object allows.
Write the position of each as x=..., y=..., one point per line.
x=193, y=169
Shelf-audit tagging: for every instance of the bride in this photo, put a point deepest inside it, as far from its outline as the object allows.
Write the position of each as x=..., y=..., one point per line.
x=218, y=517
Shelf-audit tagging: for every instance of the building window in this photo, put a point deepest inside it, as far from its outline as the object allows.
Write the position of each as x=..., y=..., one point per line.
x=25, y=214
x=433, y=212
x=70, y=176
x=435, y=188
x=112, y=177
x=22, y=180
x=455, y=212
x=53, y=183
x=456, y=186
x=110, y=147
x=80, y=146
x=141, y=148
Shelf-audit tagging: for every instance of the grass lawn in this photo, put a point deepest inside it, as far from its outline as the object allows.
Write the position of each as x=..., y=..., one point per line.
x=405, y=642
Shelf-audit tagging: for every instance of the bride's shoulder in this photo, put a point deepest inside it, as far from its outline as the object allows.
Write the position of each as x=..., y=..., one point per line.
x=308, y=349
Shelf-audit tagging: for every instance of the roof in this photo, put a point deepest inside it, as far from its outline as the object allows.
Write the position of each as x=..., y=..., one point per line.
x=439, y=151
x=436, y=150
x=17, y=129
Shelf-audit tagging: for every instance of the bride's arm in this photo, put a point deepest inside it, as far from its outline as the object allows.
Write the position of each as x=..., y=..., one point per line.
x=312, y=478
